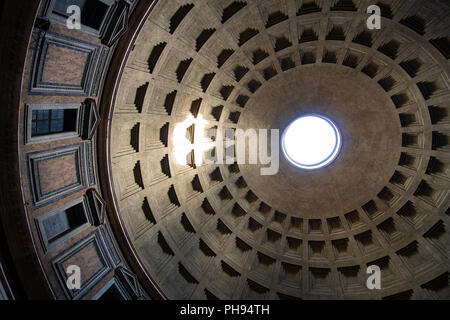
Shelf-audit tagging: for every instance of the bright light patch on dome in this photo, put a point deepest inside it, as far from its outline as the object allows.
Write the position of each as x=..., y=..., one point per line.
x=182, y=145
x=311, y=142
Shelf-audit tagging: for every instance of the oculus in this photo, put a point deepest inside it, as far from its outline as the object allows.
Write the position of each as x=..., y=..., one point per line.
x=311, y=142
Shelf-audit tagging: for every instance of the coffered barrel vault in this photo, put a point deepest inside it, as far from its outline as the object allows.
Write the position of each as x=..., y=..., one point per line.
x=105, y=110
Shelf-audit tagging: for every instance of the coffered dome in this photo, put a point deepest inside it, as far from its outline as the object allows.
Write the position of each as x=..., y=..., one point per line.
x=108, y=127
x=226, y=231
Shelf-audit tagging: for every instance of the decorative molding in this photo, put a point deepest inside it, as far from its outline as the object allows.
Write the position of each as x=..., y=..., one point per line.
x=42, y=23
x=34, y=159
x=109, y=244
x=94, y=64
x=125, y=284
x=104, y=258
x=130, y=282
x=111, y=285
x=117, y=23
x=6, y=292
x=97, y=207
x=89, y=163
x=97, y=80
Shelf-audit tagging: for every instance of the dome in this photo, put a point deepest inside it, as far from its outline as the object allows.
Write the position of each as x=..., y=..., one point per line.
x=247, y=65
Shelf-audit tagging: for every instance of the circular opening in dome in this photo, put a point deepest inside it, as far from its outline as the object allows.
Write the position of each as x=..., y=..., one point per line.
x=311, y=142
